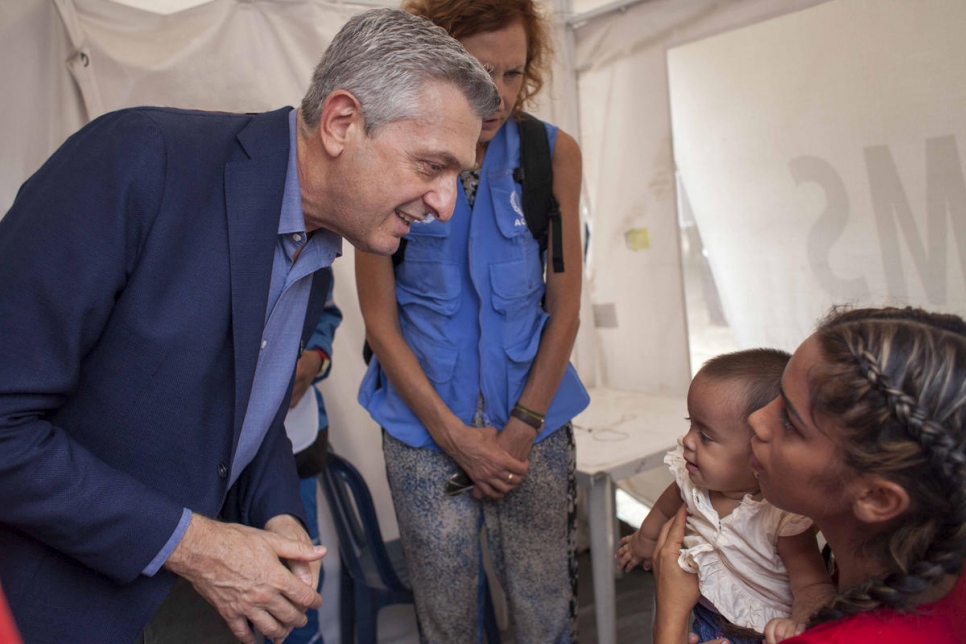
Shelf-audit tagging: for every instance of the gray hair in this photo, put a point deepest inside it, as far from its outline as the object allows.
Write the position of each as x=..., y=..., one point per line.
x=385, y=57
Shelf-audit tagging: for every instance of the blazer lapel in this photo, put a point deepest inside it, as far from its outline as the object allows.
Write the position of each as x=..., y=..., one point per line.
x=253, y=201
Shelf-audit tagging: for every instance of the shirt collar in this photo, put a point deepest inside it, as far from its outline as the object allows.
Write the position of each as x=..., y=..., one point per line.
x=291, y=224
x=292, y=220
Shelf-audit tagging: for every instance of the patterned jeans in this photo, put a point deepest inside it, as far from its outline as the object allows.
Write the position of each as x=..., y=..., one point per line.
x=530, y=533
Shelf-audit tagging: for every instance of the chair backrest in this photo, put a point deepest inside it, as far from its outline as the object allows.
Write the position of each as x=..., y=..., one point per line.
x=361, y=546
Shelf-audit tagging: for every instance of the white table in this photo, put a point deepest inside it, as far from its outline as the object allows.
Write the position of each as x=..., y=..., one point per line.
x=620, y=434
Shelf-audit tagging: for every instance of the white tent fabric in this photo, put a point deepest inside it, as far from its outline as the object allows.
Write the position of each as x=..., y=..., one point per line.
x=41, y=104
x=874, y=88
x=626, y=136
x=831, y=173
x=763, y=116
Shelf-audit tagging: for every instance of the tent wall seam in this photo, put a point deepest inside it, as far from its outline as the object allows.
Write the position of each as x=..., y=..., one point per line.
x=79, y=64
x=580, y=19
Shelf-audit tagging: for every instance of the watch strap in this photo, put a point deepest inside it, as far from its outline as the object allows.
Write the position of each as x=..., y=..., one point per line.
x=527, y=417
x=325, y=364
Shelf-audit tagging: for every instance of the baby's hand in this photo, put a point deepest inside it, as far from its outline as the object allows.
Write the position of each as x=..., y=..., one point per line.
x=782, y=628
x=635, y=549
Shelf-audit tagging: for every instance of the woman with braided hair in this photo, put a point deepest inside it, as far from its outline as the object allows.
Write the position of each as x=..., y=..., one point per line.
x=867, y=438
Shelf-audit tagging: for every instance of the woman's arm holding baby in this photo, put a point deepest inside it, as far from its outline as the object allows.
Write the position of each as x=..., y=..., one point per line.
x=638, y=548
x=676, y=590
x=811, y=585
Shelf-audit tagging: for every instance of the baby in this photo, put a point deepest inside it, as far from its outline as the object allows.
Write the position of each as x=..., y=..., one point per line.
x=759, y=568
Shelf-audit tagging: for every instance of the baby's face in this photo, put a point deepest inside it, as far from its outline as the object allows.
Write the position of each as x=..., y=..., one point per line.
x=717, y=448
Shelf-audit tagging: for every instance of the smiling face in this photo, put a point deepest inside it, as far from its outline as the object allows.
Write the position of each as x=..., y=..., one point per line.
x=800, y=468
x=504, y=54
x=717, y=447
x=405, y=171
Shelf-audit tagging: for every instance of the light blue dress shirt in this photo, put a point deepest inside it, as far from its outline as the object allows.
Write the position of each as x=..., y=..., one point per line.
x=288, y=298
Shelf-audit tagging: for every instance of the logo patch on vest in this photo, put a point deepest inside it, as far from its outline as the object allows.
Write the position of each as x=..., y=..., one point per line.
x=517, y=208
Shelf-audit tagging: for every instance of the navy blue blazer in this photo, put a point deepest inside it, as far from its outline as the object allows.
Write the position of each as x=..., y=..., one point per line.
x=134, y=274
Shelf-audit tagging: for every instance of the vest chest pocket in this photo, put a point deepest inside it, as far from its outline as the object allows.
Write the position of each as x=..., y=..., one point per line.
x=517, y=292
x=507, y=197
x=431, y=285
x=425, y=280
x=426, y=240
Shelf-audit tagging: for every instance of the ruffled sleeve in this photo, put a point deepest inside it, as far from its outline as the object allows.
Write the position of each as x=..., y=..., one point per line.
x=791, y=524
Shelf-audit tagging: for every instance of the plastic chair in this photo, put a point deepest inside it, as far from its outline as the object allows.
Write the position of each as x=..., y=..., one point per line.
x=374, y=572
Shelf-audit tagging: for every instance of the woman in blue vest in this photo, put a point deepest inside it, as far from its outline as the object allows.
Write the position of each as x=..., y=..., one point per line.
x=471, y=370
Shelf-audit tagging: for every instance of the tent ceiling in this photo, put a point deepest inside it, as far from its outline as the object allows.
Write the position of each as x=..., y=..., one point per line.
x=163, y=7
x=166, y=7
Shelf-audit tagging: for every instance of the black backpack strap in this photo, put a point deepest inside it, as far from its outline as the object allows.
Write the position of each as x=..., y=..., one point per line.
x=400, y=254
x=318, y=295
x=540, y=207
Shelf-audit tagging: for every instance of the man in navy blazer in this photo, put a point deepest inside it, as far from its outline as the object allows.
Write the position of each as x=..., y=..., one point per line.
x=154, y=273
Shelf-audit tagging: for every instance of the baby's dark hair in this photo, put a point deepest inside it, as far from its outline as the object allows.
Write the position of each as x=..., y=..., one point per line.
x=759, y=372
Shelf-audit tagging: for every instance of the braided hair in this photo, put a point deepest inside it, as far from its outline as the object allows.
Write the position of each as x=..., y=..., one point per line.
x=895, y=380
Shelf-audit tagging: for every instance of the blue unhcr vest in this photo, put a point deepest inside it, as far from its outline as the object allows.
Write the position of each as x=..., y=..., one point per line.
x=469, y=299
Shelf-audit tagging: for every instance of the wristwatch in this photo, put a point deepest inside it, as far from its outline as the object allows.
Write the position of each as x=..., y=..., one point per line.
x=527, y=417
x=326, y=363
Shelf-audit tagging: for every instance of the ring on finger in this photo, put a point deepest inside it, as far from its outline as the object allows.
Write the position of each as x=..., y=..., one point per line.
x=509, y=478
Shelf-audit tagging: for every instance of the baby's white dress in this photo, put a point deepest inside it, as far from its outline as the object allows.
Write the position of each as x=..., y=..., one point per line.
x=736, y=558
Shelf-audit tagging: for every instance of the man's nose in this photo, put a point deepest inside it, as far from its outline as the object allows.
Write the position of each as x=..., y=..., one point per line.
x=441, y=200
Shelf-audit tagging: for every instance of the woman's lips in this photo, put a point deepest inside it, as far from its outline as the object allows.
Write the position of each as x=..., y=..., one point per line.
x=755, y=463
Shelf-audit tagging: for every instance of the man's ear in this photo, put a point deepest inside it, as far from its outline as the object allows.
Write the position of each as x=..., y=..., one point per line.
x=877, y=499
x=340, y=120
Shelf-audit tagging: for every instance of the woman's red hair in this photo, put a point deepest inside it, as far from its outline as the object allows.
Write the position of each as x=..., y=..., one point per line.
x=463, y=18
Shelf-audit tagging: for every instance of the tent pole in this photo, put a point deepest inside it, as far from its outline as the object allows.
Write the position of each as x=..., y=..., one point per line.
x=567, y=115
